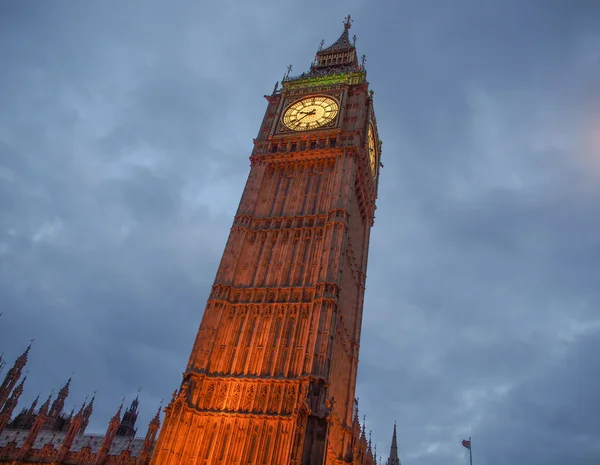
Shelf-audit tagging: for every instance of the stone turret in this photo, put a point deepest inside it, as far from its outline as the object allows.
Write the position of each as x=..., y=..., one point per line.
x=153, y=427
x=74, y=429
x=10, y=405
x=87, y=413
x=38, y=424
x=127, y=426
x=111, y=432
x=59, y=404
x=12, y=377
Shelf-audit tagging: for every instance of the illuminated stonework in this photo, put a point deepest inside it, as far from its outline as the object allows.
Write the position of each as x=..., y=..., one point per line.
x=272, y=374
x=326, y=80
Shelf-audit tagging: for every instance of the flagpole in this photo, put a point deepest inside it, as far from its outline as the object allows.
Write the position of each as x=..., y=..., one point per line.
x=470, y=451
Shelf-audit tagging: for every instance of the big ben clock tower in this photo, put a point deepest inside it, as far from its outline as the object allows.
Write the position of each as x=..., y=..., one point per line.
x=272, y=374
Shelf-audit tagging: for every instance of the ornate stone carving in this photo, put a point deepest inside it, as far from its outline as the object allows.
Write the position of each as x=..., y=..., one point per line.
x=249, y=398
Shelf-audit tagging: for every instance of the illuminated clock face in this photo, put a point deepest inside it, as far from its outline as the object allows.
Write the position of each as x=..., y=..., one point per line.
x=310, y=113
x=372, y=151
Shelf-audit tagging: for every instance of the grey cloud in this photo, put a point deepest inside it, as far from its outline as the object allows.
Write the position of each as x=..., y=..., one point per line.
x=124, y=136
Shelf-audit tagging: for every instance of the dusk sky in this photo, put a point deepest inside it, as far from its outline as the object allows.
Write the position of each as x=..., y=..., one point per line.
x=125, y=132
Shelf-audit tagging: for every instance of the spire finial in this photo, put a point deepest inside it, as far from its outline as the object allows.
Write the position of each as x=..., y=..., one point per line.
x=354, y=40
x=363, y=61
x=348, y=22
x=321, y=44
x=157, y=416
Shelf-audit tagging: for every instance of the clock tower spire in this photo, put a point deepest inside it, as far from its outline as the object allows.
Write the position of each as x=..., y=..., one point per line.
x=272, y=374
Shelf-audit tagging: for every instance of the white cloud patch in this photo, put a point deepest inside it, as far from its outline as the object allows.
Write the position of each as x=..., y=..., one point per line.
x=48, y=232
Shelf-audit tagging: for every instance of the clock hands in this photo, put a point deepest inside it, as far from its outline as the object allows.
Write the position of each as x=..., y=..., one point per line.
x=312, y=112
x=321, y=110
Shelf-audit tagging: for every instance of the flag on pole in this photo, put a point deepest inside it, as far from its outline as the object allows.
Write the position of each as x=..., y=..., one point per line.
x=466, y=443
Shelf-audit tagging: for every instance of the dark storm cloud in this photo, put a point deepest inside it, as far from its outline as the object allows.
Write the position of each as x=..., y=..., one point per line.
x=124, y=136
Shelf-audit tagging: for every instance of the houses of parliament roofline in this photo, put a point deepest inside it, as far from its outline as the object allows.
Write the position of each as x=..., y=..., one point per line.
x=50, y=435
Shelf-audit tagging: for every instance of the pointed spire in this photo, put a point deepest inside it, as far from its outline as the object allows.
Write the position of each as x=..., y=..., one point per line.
x=90, y=407
x=10, y=404
x=59, y=403
x=113, y=426
x=23, y=357
x=12, y=376
x=363, y=433
x=86, y=412
x=343, y=43
x=339, y=57
x=394, y=460
x=34, y=404
x=84, y=405
x=117, y=415
x=156, y=418
x=153, y=426
x=22, y=383
x=46, y=405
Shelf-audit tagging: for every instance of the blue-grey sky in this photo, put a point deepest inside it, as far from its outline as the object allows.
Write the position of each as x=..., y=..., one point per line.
x=125, y=131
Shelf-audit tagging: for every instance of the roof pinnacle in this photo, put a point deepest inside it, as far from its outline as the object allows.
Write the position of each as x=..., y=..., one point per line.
x=347, y=22
x=394, y=460
x=156, y=418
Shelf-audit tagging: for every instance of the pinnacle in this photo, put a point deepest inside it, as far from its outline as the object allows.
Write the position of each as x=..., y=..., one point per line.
x=23, y=357
x=343, y=43
x=65, y=388
x=118, y=414
x=394, y=460
x=44, y=407
x=156, y=418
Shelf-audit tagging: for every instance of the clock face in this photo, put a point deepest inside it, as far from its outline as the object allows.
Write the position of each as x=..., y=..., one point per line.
x=372, y=151
x=310, y=113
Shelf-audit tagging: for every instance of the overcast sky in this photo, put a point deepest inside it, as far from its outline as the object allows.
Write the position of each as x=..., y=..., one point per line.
x=125, y=132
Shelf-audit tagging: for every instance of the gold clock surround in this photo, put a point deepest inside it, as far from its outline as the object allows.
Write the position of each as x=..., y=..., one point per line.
x=372, y=150
x=310, y=113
